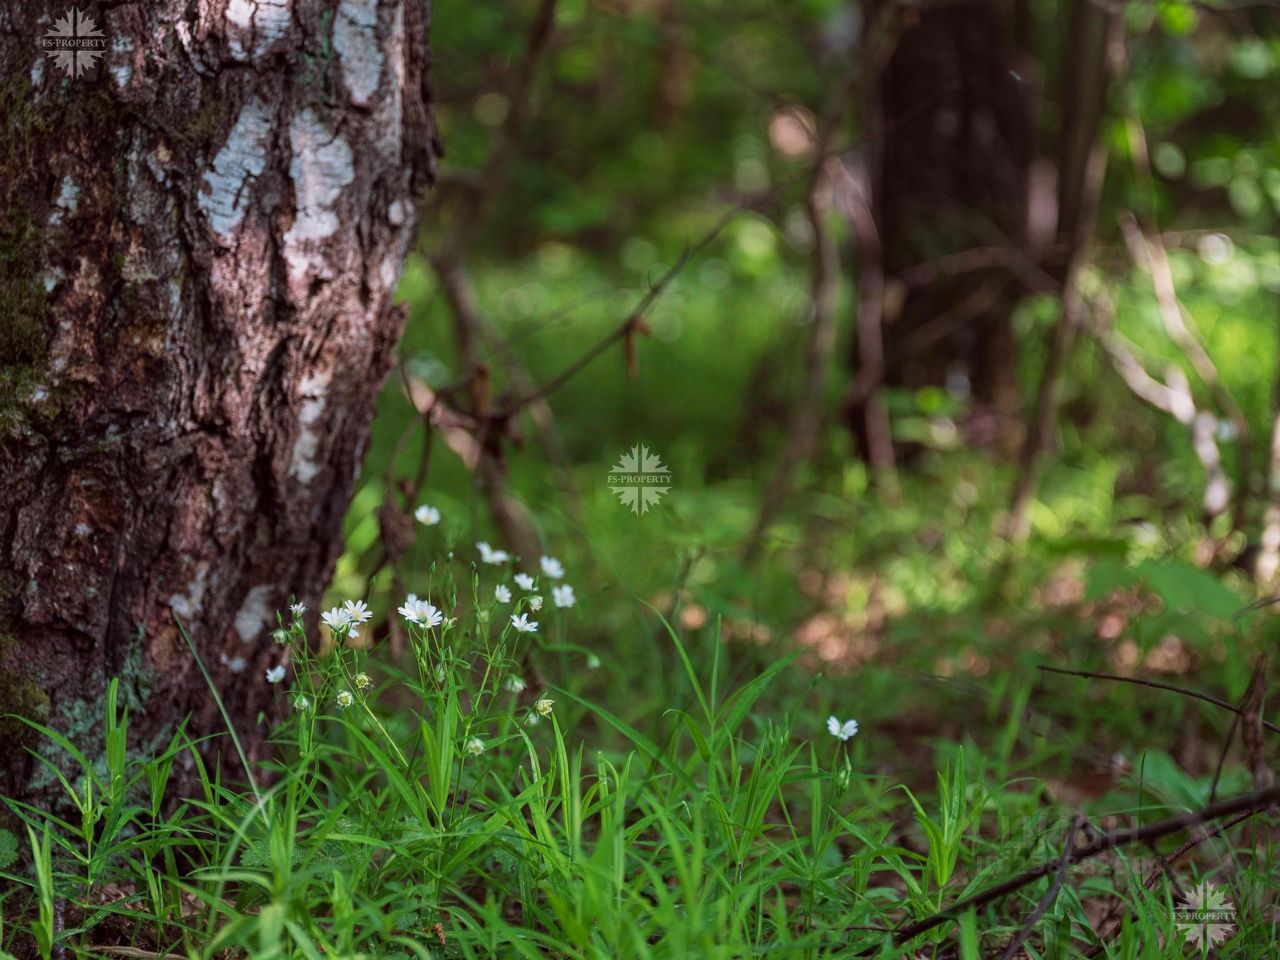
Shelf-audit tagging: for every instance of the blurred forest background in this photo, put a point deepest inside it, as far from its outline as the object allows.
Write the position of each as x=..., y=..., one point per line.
x=968, y=356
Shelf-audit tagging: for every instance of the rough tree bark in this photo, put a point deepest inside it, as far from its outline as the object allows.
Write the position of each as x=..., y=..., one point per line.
x=202, y=235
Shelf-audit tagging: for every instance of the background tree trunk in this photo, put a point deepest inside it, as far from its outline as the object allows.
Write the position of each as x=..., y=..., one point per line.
x=203, y=233
x=950, y=122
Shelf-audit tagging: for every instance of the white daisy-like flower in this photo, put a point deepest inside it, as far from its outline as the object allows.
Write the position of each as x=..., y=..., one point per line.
x=523, y=581
x=275, y=674
x=593, y=662
x=358, y=611
x=420, y=612
x=474, y=746
x=344, y=699
x=523, y=624
x=543, y=707
x=427, y=516
x=490, y=555
x=336, y=619
x=552, y=567
x=845, y=731
x=297, y=609
x=363, y=681
x=515, y=684
x=535, y=603
x=502, y=593
x=563, y=596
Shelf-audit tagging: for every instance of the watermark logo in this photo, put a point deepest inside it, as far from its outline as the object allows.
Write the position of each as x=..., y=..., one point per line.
x=639, y=479
x=75, y=43
x=1208, y=917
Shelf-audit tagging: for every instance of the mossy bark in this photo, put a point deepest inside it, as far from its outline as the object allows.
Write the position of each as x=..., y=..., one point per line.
x=201, y=235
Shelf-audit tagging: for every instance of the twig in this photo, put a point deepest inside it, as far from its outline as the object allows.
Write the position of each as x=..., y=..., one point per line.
x=1115, y=839
x=1172, y=396
x=1166, y=864
x=1050, y=895
x=634, y=323
x=1156, y=685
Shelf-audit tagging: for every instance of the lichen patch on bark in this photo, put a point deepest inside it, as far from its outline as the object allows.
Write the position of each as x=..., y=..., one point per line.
x=227, y=186
x=355, y=40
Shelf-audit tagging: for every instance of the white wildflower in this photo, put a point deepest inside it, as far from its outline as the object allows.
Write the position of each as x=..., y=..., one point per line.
x=490, y=555
x=344, y=699
x=336, y=619
x=515, y=684
x=427, y=516
x=475, y=746
x=563, y=596
x=523, y=624
x=297, y=609
x=420, y=612
x=502, y=593
x=535, y=603
x=237, y=664
x=552, y=567
x=844, y=731
x=275, y=674
x=543, y=707
x=524, y=581
x=358, y=611
x=363, y=681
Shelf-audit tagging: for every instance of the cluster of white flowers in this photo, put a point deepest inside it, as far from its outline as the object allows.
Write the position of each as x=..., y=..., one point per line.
x=420, y=612
x=346, y=620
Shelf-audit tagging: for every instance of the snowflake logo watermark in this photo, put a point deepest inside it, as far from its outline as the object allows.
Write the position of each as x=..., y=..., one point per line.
x=639, y=479
x=75, y=43
x=1208, y=917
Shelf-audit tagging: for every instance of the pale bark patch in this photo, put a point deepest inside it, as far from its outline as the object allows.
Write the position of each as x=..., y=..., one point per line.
x=224, y=195
x=313, y=389
x=254, y=613
x=321, y=167
x=256, y=25
x=356, y=41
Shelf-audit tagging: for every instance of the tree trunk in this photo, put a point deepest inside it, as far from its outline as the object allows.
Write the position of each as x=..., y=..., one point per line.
x=203, y=232
x=952, y=128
